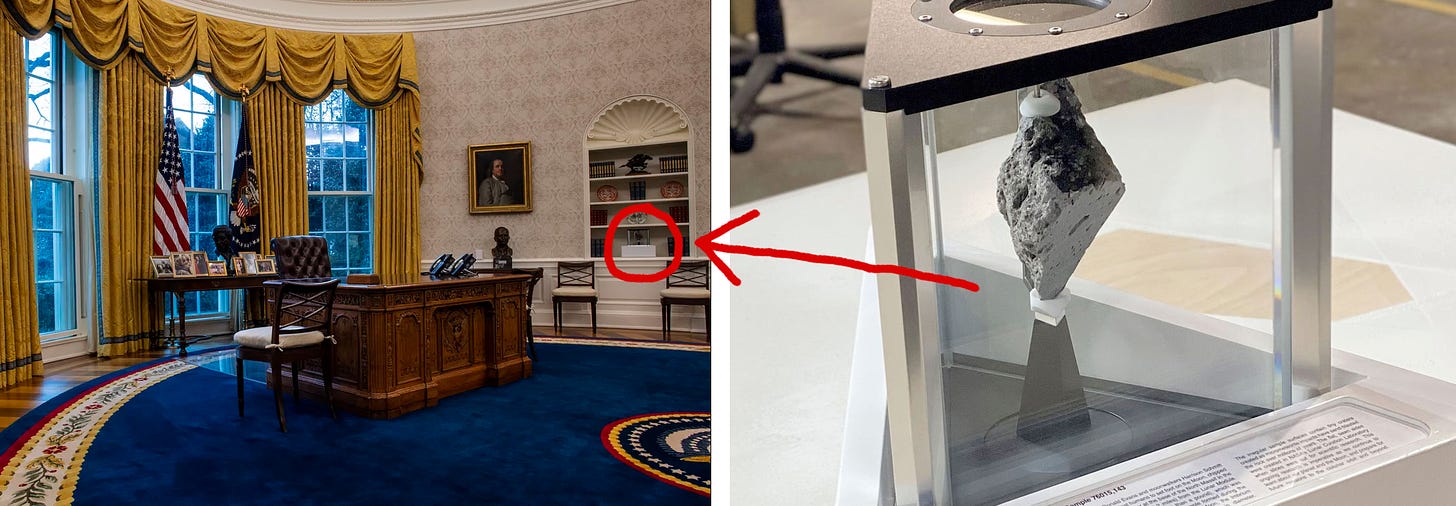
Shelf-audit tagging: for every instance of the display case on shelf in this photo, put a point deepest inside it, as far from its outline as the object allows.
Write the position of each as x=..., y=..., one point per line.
x=1142, y=191
x=639, y=150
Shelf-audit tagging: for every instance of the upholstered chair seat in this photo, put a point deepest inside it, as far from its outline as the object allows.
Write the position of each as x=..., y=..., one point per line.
x=687, y=293
x=262, y=337
x=574, y=291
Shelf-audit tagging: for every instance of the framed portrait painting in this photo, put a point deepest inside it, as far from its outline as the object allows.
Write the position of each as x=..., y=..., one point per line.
x=500, y=178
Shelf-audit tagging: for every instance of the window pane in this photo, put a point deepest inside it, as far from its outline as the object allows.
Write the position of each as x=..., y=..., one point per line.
x=333, y=175
x=39, y=57
x=41, y=106
x=335, y=214
x=358, y=213
x=184, y=128
x=314, y=169
x=45, y=257
x=356, y=174
x=315, y=213
x=54, y=258
x=204, y=166
x=354, y=141
x=359, y=246
x=46, y=307
x=333, y=140
x=39, y=148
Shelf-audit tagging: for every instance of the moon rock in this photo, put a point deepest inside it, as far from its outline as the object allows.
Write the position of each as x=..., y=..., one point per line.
x=1055, y=191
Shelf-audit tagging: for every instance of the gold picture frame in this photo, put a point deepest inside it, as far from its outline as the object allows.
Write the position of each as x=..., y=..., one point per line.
x=161, y=266
x=267, y=265
x=506, y=192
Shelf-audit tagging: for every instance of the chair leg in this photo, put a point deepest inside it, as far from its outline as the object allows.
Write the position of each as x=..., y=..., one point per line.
x=530, y=337
x=556, y=316
x=296, y=367
x=666, y=321
x=708, y=321
x=594, y=317
x=239, y=364
x=276, y=362
x=326, y=363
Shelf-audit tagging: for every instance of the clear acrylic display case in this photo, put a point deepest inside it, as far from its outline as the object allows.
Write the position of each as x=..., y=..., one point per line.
x=1216, y=117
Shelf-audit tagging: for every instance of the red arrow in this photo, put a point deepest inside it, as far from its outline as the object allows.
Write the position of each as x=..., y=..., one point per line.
x=711, y=249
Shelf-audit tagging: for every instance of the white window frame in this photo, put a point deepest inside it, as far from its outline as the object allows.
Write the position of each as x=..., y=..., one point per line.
x=228, y=113
x=369, y=161
x=74, y=154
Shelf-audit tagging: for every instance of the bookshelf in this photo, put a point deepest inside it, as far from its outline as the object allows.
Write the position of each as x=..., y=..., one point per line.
x=632, y=126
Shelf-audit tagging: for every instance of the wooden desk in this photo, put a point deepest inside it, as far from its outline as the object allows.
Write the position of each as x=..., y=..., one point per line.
x=176, y=329
x=403, y=347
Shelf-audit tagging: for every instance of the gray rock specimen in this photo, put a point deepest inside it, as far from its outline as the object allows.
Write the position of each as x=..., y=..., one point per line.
x=1056, y=190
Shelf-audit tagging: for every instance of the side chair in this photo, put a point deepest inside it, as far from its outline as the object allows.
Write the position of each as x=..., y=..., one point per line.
x=575, y=282
x=301, y=330
x=687, y=286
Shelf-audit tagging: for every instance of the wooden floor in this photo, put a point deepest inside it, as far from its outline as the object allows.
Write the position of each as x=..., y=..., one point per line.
x=62, y=375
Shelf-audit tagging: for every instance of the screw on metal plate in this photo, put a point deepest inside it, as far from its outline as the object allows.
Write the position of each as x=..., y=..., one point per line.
x=976, y=31
x=924, y=17
x=1055, y=30
x=879, y=82
x=1121, y=15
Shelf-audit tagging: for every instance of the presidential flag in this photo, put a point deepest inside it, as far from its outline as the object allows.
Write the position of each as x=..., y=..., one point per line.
x=169, y=201
x=244, y=203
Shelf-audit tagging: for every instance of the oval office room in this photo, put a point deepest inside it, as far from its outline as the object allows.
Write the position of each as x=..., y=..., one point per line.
x=354, y=252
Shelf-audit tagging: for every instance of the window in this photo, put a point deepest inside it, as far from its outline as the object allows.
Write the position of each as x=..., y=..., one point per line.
x=52, y=192
x=198, y=110
x=341, y=181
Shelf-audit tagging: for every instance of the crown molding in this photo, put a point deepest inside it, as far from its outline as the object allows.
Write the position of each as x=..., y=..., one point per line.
x=388, y=16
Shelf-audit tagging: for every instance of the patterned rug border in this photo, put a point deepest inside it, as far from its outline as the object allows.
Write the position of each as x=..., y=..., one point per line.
x=609, y=440
x=40, y=467
x=624, y=343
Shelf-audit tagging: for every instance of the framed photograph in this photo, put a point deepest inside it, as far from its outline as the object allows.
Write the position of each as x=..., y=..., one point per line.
x=218, y=268
x=500, y=178
x=199, y=262
x=161, y=267
x=266, y=266
x=238, y=269
x=250, y=262
x=182, y=266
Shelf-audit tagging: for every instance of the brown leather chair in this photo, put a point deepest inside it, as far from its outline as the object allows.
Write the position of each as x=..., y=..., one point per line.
x=302, y=257
x=575, y=282
x=301, y=330
x=689, y=285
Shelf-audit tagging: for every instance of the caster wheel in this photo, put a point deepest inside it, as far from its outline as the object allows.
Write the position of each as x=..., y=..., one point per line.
x=742, y=140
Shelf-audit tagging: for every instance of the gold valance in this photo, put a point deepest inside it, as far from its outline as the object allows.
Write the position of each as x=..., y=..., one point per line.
x=372, y=67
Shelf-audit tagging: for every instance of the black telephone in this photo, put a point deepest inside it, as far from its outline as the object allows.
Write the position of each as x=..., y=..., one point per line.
x=461, y=266
x=442, y=263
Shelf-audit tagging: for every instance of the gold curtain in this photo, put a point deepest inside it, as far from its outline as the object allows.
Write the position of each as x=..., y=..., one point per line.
x=397, y=169
x=374, y=67
x=131, y=138
x=275, y=123
x=20, y=341
x=138, y=44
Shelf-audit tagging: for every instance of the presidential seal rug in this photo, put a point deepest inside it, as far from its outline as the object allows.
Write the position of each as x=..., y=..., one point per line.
x=168, y=432
x=673, y=447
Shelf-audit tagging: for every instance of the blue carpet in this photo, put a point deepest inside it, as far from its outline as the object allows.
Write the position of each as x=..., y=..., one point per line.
x=532, y=442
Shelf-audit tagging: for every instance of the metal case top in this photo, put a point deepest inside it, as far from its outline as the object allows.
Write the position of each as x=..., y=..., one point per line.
x=928, y=65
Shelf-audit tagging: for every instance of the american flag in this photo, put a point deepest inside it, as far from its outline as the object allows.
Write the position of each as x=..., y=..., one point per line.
x=169, y=204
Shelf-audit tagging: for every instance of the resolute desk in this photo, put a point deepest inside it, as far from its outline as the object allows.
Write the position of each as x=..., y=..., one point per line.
x=403, y=347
